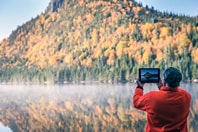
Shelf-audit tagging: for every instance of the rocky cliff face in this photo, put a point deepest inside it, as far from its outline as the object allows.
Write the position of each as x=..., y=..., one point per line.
x=54, y=5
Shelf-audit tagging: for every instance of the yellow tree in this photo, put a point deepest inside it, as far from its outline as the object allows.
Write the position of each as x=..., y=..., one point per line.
x=95, y=36
x=120, y=47
x=69, y=59
x=147, y=30
x=164, y=32
x=160, y=55
x=195, y=55
x=111, y=58
x=146, y=54
x=183, y=42
x=89, y=62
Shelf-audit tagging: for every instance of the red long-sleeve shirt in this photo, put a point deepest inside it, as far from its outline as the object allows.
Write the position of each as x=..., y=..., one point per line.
x=167, y=109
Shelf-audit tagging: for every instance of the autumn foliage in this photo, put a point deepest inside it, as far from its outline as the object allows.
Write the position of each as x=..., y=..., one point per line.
x=94, y=34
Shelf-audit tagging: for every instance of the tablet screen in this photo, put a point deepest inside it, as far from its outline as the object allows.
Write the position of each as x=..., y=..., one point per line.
x=149, y=75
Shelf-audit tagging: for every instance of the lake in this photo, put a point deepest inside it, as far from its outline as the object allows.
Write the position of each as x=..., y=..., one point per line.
x=77, y=107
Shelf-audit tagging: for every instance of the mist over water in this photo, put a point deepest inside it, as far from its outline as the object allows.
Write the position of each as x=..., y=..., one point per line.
x=78, y=107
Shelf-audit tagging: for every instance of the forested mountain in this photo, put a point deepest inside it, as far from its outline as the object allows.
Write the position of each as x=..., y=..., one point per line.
x=99, y=40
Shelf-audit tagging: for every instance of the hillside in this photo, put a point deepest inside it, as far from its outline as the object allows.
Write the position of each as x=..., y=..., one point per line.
x=98, y=40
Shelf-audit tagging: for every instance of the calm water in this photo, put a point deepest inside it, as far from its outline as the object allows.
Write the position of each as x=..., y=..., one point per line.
x=77, y=107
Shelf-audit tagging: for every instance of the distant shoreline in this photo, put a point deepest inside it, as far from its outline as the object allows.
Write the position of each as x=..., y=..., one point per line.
x=83, y=82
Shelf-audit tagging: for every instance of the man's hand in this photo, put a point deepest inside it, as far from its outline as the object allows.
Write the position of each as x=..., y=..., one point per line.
x=140, y=84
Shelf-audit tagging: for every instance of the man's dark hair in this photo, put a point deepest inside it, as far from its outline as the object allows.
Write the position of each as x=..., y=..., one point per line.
x=172, y=76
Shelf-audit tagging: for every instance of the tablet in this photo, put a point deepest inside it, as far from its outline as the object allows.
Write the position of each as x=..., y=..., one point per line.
x=149, y=75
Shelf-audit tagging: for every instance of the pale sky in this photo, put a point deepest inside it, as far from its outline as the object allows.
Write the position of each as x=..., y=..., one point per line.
x=14, y=13
x=180, y=7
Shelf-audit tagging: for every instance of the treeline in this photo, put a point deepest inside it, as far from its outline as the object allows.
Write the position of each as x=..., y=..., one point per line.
x=124, y=70
x=99, y=40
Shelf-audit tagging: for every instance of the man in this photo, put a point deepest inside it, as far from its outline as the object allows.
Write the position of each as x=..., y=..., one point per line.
x=167, y=109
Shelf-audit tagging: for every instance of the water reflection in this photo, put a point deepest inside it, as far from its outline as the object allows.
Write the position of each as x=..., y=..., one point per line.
x=77, y=108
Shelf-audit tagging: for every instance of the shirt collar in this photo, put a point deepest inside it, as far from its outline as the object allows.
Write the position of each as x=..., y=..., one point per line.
x=165, y=88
